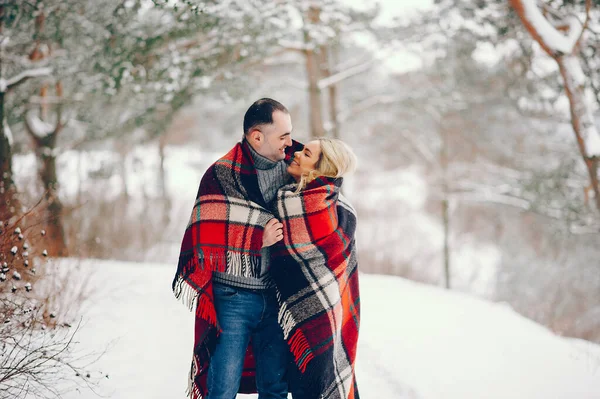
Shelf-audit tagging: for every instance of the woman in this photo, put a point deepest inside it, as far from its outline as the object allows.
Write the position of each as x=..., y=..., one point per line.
x=316, y=272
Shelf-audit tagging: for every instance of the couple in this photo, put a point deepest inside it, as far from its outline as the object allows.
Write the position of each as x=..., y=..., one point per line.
x=268, y=260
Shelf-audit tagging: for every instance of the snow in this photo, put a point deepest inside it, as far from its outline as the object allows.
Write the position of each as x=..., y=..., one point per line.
x=400, y=61
x=40, y=128
x=592, y=141
x=8, y=133
x=490, y=55
x=486, y=54
x=573, y=66
x=416, y=341
x=31, y=73
x=391, y=9
x=293, y=45
x=552, y=38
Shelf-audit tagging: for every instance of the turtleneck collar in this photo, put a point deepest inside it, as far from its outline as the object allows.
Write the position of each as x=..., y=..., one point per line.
x=261, y=162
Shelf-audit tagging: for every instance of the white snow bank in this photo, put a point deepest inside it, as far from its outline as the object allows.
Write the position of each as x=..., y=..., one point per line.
x=416, y=341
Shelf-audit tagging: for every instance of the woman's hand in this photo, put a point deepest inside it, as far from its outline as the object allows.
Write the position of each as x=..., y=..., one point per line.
x=273, y=232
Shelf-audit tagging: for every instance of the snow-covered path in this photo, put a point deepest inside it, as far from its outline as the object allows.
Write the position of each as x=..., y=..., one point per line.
x=416, y=342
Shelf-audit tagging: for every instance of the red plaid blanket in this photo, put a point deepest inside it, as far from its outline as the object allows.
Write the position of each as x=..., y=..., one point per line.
x=224, y=234
x=315, y=270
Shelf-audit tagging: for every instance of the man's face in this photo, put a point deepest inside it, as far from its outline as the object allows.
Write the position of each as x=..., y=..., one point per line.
x=274, y=138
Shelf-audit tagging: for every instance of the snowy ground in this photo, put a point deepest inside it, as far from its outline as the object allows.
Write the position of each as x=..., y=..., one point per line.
x=416, y=341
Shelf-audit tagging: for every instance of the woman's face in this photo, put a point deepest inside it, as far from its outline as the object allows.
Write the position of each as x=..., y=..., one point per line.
x=305, y=160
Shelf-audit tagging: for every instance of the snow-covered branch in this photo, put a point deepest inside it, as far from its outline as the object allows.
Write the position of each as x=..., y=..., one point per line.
x=294, y=45
x=491, y=169
x=550, y=39
x=39, y=100
x=8, y=84
x=489, y=196
x=563, y=50
x=342, y=66
x=348, y=73
x=8, y=133
x=38, y=127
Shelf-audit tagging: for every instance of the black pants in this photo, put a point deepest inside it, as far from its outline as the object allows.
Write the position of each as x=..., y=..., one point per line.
x=294, y=381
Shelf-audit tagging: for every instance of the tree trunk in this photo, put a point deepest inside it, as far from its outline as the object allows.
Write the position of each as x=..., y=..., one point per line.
x=446, y=222
x=9, y=203
x=123, y=167
x=445, y=203
x=333, y=111
x=55, y=228
x=80, y=177
x=45, y=145
x=583, y=124
x=314, y=95
x=325, y=64
x=312, y=73
x=162, y=175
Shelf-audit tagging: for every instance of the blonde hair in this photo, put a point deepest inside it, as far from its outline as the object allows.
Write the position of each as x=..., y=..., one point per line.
x=336, y=160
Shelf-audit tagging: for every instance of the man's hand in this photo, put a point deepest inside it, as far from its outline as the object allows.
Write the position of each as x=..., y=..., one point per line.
x=273, y=232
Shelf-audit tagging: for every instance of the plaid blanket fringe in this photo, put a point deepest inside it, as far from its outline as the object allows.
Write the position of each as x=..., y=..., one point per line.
x=237, y=264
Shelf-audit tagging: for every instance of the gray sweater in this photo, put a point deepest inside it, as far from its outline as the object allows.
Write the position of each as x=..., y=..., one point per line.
x=271, y=176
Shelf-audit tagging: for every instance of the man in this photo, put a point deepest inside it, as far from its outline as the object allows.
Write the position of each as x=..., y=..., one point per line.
x=224, y=262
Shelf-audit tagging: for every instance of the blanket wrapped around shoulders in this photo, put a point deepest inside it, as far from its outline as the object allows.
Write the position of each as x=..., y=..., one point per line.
x=315, y=270
x=224, y=234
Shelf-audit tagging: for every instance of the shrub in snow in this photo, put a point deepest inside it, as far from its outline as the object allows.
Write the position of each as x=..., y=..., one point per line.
x=37, y=350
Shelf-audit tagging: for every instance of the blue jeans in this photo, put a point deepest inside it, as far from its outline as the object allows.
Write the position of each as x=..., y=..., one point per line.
x=245, y=314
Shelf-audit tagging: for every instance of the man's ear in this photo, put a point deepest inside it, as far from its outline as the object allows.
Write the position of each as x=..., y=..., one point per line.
x=255, y=136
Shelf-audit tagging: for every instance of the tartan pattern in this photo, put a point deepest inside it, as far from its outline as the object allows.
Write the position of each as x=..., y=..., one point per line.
x=224, y=234
x=315, y=270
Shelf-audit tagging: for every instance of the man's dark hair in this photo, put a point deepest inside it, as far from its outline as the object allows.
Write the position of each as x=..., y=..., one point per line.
x=261, y=113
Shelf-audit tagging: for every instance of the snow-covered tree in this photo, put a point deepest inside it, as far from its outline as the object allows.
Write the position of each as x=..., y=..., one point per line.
x=536, y=85
x=322, y=28
x=523, y=185
x=16, y=67
x=562, y=32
